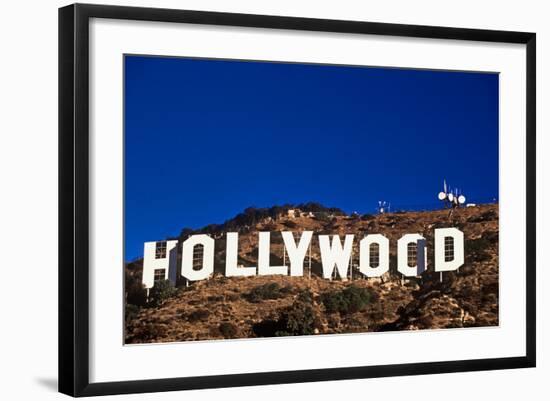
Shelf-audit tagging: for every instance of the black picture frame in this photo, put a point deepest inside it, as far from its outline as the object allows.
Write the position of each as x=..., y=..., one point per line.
x=74, y=198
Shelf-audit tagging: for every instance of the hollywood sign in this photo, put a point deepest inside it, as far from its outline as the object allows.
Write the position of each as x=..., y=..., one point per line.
x=160, y=261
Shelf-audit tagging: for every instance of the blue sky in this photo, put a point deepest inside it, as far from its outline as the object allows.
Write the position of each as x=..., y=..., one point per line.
x=205, y=139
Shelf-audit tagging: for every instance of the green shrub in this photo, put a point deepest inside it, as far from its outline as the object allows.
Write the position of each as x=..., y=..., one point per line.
x=298, y=319
x=333, y=301
x=322, y=216
x=350, y=300
x=131, y=311
x=161, y=291
x=266, y=291
x=136, y=294
x=305, y=296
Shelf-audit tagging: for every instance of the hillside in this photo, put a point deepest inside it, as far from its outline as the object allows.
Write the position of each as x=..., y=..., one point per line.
x=280, y=305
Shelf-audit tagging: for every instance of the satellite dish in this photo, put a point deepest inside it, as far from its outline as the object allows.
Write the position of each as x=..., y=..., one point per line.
x=451, y=197
x=461, y=199
x=442, y=195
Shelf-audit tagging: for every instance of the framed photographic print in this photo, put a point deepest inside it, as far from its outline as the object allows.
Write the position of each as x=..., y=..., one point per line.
x=249, y=199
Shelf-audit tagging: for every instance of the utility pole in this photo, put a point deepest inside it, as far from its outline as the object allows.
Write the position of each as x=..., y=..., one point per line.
x=351, y=265
x=309, y=261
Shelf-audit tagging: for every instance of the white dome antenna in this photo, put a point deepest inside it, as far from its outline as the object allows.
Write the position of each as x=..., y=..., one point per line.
x=450, y=197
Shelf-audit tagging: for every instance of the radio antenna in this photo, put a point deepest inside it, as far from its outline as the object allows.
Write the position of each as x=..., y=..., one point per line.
x=449, y=198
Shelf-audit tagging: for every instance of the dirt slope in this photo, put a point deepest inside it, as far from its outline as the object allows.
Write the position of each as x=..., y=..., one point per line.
x=255, y=306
